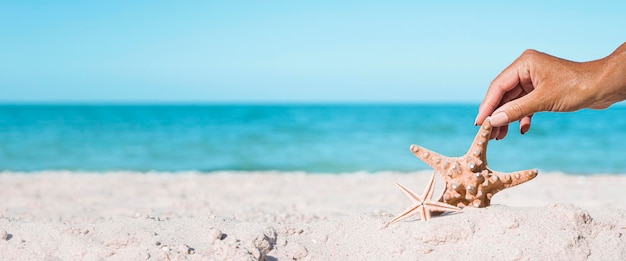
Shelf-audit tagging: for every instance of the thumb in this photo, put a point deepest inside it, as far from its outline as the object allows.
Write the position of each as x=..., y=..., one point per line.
x=515, y=110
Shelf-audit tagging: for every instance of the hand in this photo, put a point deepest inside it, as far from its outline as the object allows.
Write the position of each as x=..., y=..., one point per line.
x=537, y=82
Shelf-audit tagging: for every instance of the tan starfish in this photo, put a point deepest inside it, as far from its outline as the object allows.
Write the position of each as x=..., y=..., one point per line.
x=469, y=181
x=424, y=205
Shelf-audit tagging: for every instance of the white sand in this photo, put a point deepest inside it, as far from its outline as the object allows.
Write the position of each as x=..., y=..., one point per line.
x=295, y=216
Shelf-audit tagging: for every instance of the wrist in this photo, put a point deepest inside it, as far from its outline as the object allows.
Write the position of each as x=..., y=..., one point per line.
x=611, y=81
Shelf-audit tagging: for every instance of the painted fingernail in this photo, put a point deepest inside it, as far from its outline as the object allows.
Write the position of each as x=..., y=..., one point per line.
x=499, y=119
x=524, y=130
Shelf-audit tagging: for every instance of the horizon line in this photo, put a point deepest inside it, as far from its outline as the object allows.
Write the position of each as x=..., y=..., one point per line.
x=251, y=102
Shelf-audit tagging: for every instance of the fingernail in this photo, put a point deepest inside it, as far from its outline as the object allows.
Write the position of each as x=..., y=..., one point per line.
x=524, y=130
x=499, y=119
x=476, y=121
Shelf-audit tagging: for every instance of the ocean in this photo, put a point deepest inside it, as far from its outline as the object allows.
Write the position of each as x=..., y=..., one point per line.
x=320, y=138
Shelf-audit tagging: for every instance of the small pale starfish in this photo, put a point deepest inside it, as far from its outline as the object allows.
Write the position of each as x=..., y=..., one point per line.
x=424, y=205
x=469, y=181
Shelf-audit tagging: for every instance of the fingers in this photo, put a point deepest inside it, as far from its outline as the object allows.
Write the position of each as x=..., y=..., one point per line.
x=494, y=133
x=503, y=131
x=500, y=86
x=511, y=97
x=516, y=110
x=499, y=133
x=513, y=94
x=524, y=124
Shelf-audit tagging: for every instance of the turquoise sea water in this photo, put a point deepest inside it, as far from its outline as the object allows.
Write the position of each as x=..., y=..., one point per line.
x=312, y=138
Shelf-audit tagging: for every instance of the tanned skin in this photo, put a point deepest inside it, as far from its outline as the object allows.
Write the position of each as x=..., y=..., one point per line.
x=537, y=82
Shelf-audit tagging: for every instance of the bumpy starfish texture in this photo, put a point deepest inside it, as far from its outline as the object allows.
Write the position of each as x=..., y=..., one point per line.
x=424, y=205
x=469, y=181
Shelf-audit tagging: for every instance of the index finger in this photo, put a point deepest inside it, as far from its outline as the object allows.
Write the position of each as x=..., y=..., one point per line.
x=504, y=82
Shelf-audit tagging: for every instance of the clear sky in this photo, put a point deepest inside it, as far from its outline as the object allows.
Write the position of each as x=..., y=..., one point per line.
x=285, y=51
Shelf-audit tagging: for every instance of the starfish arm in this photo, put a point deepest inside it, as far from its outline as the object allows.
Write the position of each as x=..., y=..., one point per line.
x=424, y=214
x=409, y=193
x=406, y=213
x=429, y=157
x=515, y=178
x=441, y=207
x=478, y=150
x=430, y=188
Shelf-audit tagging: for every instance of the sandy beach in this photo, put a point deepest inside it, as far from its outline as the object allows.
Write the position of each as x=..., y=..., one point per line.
x=299, y=216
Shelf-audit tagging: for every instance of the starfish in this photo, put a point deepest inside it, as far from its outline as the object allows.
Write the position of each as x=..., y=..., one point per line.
x=469, y=181
x=423, y=207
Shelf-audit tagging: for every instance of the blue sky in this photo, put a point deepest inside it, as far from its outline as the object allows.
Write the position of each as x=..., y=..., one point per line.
x=285, y=51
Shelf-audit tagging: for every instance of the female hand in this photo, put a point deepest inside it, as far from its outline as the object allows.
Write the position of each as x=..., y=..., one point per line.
x=537, y=82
